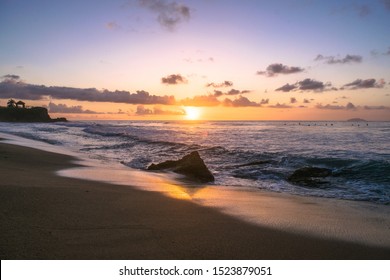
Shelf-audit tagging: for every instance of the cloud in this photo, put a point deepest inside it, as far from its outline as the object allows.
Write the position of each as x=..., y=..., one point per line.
x=169, y=14
x=280, y=106
x=240, y=102
x=309, y=84
x=387, y=4
x=306, y=85
x=376, y=108
x=306, y=101
x=112, y=25
x=287, y=88
x=200, y=60
x=64, y=109
x=368, y=83
x=11, y=77
x=174, y=79
x=223, y=84
x=293, y=100
x=142, y=110
x=333, y=60
x=200, y=100
x=349, y=106
x=362, y=10
x=20, y=90
x=218, y=93
x=264, y=101
x=278, y=68
x=212, y=100
x=377, y=53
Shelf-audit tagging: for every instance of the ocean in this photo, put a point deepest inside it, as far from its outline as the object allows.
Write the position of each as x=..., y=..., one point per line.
x=255, y=154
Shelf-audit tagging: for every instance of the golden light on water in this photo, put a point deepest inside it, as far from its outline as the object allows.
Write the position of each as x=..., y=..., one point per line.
x=192, y=113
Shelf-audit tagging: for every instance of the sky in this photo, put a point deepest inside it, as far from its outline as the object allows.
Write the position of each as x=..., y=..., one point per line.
x=204, y=59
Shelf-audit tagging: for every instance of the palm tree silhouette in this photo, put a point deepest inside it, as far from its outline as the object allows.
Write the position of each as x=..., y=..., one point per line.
x=11, y=103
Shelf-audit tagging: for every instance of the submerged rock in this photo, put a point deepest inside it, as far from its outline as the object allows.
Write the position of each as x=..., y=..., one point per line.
x=190, y=165
x=260, y=162
x=309, y=176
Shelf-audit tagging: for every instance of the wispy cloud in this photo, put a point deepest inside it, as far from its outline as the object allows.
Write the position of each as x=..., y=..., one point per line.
x=142, y=110
x=212, y=100
x=11, y=77
x=349, y=106
x=368, y=83
x=378, y=53
x=64, y=109
x=362, y=10
x=280, y=106
x=334, y=60
x=200, y=100
x=386, y=3
x=376, y=108
x=112, y=25
x=169, y=14
x=264, y=101
x=286, y=88
x=240, y=102
x=174, y=79
x=223, y=84
x=233, y=91
x=278, y=68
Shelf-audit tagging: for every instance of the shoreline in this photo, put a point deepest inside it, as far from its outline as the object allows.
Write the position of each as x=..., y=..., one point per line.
x=46, y=216
x=323, y=217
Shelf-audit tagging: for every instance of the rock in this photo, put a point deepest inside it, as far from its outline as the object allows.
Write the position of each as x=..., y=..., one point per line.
x=190, y=165
x=34, y=114
x=309, y=176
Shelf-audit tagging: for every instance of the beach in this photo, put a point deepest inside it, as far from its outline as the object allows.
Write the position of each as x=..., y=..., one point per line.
x=46, y=216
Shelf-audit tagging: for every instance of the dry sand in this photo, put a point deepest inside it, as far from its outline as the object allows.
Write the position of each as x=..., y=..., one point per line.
x=45, y=216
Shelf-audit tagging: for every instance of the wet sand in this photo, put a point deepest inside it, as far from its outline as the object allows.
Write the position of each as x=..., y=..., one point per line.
x=45, y=216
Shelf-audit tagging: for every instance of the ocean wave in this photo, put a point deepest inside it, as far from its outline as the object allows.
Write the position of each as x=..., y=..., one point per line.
x=255, y=154
x=35, y=137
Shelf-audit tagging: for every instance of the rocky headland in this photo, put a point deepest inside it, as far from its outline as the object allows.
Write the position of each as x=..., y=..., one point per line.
x=33, y=114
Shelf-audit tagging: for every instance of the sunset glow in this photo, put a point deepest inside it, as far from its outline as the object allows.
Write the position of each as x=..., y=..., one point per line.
x=192, y=113
x=233, y=59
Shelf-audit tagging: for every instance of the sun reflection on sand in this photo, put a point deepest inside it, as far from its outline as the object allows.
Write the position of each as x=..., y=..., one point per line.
x=316, y=216
x=118, y=175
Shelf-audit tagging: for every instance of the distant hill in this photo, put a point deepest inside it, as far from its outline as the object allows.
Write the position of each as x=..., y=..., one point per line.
x=34, y=114
x=356, y=120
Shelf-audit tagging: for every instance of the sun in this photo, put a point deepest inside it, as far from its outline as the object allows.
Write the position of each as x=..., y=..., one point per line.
x=192, y=113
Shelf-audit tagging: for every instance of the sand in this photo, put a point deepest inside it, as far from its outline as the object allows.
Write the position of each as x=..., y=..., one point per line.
x=45, y=216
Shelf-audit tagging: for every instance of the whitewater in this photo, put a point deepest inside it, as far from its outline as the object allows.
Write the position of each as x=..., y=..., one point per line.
x=254, y=154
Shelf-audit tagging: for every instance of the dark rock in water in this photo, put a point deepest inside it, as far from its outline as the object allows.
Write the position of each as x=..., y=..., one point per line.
x=190, y=165
x=309, y=176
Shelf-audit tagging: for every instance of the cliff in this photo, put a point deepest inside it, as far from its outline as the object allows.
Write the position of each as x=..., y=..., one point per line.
x=34, y=114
